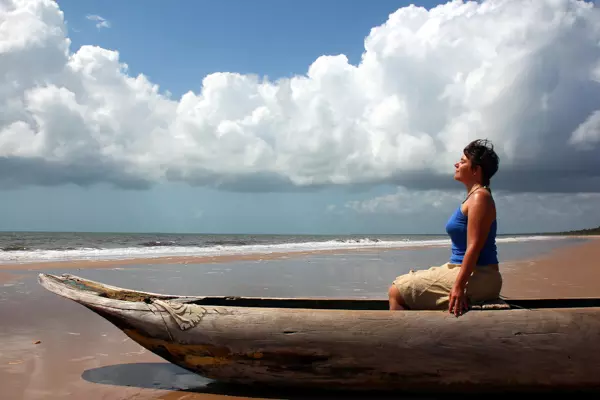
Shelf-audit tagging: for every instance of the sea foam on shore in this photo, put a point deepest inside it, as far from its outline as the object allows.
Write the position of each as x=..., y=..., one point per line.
x=60, y=247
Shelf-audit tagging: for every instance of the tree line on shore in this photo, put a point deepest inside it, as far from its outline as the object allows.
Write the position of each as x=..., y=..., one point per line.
x=590, y=231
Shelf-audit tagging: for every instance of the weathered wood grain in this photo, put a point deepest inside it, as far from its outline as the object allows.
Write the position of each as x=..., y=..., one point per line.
x=355, y=349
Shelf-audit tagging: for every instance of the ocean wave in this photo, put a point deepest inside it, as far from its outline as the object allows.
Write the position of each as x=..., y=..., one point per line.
x=226, y=242
x=157, y=243
x=224, y=248
x=15, y=247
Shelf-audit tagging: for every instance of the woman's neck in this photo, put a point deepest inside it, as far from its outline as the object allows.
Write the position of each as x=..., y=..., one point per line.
x=472, y=187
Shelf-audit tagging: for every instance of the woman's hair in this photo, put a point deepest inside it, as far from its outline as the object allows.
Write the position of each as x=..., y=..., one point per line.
x=481, y=153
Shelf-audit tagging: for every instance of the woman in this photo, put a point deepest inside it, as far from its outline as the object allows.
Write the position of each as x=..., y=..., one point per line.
x=472, y=273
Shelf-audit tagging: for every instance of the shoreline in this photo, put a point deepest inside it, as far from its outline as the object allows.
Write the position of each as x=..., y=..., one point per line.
x=224, y=258
x=216, y=259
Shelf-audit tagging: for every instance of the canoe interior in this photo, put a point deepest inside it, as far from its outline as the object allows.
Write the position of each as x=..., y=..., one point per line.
x=376, y=304
x=302, y=303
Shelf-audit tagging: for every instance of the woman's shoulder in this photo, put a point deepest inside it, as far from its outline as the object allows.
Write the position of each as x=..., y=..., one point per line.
x=482, y=200
x=482, y=195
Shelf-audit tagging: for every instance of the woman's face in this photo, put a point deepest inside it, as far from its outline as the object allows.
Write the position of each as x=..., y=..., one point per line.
x=462, y=170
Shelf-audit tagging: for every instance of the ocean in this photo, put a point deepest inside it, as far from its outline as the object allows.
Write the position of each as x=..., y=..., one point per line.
x=28, y=247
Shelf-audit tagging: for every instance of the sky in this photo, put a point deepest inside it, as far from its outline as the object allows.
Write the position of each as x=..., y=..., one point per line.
x=308, y=117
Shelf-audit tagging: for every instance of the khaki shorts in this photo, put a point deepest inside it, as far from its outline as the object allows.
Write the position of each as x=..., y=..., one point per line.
x=430, y=289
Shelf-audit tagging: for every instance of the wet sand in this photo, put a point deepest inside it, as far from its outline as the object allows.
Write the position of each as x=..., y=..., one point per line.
x=6, y=277
x=80, y=355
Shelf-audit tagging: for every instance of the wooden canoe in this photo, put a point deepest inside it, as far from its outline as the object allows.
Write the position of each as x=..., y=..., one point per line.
x=356, y=344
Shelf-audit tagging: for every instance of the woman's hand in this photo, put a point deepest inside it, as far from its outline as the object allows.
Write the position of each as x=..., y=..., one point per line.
x=458, y=300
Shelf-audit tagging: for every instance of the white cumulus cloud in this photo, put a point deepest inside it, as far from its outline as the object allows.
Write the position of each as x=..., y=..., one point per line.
x=523, y=73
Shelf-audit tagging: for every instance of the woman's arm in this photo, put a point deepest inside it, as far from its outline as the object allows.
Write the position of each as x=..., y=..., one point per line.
x=480, y=218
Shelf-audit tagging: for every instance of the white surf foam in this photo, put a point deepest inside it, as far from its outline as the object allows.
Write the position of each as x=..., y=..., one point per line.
x=90, y=254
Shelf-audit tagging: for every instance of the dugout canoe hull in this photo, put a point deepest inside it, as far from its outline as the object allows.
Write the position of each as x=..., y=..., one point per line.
x=356, y=344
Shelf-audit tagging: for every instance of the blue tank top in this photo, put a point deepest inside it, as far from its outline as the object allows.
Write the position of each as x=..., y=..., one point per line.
x=457, y=230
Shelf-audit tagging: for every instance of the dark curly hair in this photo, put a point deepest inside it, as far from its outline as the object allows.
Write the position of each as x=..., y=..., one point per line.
x=481, y=153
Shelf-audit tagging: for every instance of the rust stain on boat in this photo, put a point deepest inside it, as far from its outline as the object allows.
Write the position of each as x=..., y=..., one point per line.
x=199, y=355
x=257, y=355
x=198, y=360
x=191, y=354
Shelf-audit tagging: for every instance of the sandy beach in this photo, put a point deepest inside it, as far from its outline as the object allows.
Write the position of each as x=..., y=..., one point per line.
x=567, y=272
x=52, y=348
